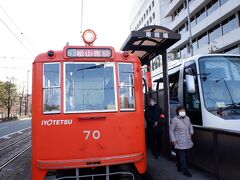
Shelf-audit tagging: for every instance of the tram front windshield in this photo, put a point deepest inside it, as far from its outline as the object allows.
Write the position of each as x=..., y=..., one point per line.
x=89, y=87
x=220, y=79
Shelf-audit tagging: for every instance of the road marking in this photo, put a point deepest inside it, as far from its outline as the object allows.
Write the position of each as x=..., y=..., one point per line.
x=25, y=122
x=7, y=135
x=4, y=127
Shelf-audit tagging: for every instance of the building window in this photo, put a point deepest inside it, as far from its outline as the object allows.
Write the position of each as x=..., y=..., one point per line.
x=182, y=29
x=202, y=40
x=180, y=9
x=153, y=15
x=229, y=24
x=223, y=2
x=150, y=8
x=195, y=45
x=212, y=6
x=201, y=15
x=232, y=50
x=184, y=51
x=193, y=22
x=239, y=18
x=150, y=20
x=175, y=14
x=215, y=33
x=152, y=3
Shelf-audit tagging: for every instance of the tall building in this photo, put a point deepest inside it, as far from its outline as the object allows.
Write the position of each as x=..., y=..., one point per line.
x=146, y=13
x=215, y=24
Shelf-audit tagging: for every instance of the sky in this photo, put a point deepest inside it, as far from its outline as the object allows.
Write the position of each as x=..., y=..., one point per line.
x=30, y=27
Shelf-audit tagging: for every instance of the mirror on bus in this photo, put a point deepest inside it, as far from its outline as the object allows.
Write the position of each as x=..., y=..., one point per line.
x=190, y=84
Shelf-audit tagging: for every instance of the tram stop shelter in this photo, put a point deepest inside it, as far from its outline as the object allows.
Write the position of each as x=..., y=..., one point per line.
x=149, y=42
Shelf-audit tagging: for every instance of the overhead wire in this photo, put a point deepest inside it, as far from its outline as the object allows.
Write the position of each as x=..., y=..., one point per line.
x=13, y=57
x=13, y=33
x=21, y=32
x=19, y=40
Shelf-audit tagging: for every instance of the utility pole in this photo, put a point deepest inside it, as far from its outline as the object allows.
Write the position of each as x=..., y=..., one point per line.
x=189, y=29
x=81, y=16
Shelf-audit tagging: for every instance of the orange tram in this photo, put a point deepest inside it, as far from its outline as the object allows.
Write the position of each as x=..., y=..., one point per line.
x=87, y=112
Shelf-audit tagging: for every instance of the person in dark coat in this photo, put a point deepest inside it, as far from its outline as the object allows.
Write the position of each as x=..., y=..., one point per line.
x=180, y=132
x=155, y=119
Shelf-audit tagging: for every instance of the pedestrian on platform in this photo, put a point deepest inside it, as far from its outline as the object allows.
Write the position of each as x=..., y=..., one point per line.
x=155, y=119
x=180, y=133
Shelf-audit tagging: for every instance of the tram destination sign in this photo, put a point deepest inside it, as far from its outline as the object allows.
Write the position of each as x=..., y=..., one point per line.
x=89, y=53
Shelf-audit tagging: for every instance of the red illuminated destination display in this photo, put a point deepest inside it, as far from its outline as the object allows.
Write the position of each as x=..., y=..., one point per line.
x=89, y=52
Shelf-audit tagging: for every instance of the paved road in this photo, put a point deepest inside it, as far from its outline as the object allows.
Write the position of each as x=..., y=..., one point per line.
x=13, y=126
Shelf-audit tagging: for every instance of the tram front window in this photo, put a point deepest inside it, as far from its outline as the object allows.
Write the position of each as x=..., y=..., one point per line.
x=51, y=88
x=220, y=79
x=89, y=87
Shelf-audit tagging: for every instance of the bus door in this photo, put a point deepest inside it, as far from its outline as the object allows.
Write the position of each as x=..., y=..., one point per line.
x=191, y=100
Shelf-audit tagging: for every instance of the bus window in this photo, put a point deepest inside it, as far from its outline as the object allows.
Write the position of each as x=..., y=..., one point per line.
x=192, y=100
x=221, y=83
x=126, y=86
x=173, y=87
x=89, y=86
x=51, y=88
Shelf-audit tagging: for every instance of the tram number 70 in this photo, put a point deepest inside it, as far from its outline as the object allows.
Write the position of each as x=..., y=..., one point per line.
x=94, y=134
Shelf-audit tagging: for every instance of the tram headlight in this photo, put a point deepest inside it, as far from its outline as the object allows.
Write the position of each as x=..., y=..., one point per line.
x=89, y=36
x=51, y=54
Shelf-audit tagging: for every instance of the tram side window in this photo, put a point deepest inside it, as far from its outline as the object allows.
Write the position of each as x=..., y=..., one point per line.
x=51, y=88
x=126, y=86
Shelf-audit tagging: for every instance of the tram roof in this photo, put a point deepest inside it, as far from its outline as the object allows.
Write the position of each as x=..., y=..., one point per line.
x=149, y=42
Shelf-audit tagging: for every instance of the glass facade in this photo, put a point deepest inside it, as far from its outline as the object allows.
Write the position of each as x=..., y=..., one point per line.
x=207, y=38
x=204, y=12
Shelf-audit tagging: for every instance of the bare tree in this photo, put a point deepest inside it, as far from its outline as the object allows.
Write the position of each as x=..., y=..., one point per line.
x=8, y=95
x=21, y=99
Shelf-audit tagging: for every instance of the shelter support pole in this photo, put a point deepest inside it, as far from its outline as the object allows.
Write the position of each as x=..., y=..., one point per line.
x=166, y=97
x=149, y=86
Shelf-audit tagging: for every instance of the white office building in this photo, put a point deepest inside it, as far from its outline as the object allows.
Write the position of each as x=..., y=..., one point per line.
x=215, y=24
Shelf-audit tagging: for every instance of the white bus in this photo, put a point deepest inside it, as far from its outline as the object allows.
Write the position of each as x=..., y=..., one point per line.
x=208, y=86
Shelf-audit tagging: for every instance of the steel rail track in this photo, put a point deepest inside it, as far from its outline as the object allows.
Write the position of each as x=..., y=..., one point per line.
x=14, y=157
x=13, y=143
